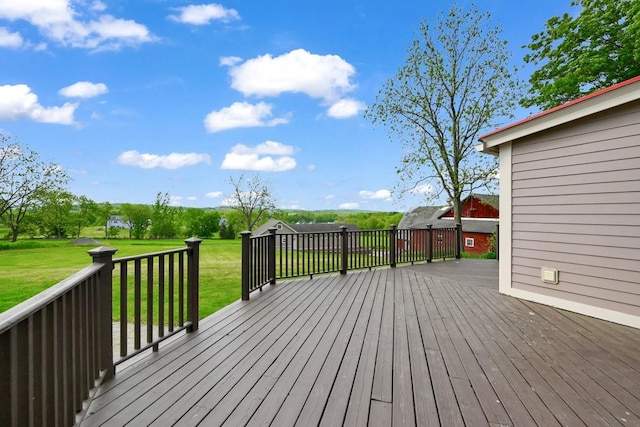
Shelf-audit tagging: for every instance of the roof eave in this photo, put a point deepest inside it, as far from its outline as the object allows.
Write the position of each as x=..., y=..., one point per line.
x=614, y=96
x=484, y=148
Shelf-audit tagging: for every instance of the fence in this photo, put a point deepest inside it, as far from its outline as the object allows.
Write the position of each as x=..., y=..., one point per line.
x=57, y=347
x=277, y=256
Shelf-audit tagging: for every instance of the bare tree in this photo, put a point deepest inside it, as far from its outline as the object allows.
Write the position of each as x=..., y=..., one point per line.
x=22, y=178
x=456, y=81
x=252, y=199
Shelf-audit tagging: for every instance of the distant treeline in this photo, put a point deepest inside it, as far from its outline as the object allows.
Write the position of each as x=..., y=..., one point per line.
x=63, y=215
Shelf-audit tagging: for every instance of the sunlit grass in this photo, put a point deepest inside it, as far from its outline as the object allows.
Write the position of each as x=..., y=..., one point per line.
x=33, y=266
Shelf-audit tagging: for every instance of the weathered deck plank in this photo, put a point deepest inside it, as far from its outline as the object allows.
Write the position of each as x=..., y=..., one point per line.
x=423, y=345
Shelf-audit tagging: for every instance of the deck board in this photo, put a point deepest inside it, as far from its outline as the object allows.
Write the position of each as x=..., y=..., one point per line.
x=431, y=344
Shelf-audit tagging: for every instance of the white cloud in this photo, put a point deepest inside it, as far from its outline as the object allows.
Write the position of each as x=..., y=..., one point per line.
x=269, y=156
x=98, y=6
x=231, y=202
x=175, y=200
x=348, y=206
x=203, y=14
x=170, y=161
x=9, y=39
x=242, y=115
x=19, y=102
x=311, y=168
x=376, y=195
x=345, y=108
x=292, y=206
x=325, y=77
x=84, y=90
x=422, y=189
x=230, y=60
x=77, y=24
x=214, y=194
x=267, y=147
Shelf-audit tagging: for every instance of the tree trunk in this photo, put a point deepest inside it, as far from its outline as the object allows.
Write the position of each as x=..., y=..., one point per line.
x=457, y=218
x=14, y=234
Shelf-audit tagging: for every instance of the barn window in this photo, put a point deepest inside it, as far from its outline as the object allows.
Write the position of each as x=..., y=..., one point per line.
x=279, y=226
x=469, y=241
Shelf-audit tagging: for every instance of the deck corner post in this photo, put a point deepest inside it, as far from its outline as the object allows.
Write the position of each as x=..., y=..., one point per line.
x=246, y=263
x=429, y=243
x=393, y=245
x=104, y=255
x=271, y=256
x=458, y=240
x=193, y=282
x=344, y=249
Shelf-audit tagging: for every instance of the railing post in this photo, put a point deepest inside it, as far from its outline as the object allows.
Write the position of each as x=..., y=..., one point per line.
x=344, y=249
x=393, y=245
x=458, y=240
x=429, y=243
x=193, y=282
x=104, y=255
x=246, y=263
x=271, y=256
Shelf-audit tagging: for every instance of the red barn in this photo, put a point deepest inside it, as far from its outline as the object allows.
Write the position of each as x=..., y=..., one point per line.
x=480, y=215
x=479, y=206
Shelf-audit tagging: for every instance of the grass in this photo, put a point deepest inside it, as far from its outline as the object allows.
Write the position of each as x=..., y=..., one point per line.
x=29, y=267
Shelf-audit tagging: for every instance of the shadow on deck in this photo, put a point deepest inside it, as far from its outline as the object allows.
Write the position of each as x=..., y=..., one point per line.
x=431, y=344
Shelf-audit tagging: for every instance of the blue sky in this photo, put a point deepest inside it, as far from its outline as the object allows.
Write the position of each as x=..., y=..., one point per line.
x=136, y=97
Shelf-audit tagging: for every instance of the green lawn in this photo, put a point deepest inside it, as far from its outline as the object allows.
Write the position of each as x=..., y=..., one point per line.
x=29, y=267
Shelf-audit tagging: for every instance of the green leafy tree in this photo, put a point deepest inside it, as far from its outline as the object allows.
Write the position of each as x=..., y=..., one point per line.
x=104, y=212
x=227, y=231
x=138, y=218
x=163, y=218
x=53, y=213
x=579, y=53
x=83, y=214
x=201, y=223
x=23, y=176
x=455, y=83
x=252, y=199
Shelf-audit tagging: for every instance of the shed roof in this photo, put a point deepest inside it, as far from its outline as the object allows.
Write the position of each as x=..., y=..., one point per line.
x=421, y=216
x=318, y=227
x=302, y=228
x=613, y=96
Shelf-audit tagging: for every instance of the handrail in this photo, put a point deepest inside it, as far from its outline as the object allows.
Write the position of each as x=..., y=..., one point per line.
x=150, y=255
x=25, y=309
x=275, y=256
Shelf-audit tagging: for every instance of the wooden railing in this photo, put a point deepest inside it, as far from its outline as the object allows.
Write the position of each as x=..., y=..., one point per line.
x=277, y=256
x=57, y=347
x=158, y=297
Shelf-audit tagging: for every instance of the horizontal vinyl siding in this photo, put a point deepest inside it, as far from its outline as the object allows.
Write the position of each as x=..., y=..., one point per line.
x=576, y=208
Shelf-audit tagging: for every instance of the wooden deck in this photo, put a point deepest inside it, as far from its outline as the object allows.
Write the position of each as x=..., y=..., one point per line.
x=431, y=344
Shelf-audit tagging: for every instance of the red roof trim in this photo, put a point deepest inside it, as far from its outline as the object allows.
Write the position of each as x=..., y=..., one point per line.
x=563, y=106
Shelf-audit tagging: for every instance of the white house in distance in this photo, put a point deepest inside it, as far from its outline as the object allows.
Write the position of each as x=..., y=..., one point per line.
x=570, y=205
x=118, y=221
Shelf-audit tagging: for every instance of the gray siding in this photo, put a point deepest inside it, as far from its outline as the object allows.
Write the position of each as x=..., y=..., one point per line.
x=576, y=207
